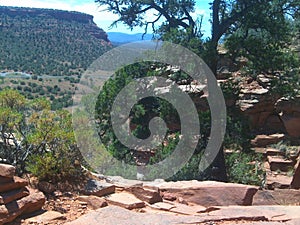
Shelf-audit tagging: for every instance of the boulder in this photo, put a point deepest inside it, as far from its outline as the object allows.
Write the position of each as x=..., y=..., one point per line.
x=98, y=188
x=46, y=187
x=146, y=194
x=296, y=178
x=289, y=111
x=169, y=196
x=7, y=170
x=210, y=193
x=31, y=203
x=93, y=202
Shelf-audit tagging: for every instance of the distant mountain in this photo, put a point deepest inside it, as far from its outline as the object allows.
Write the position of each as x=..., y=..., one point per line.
x=46, y=41
x=118, y=38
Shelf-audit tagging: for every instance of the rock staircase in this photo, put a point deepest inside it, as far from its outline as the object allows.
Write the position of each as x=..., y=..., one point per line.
x=280, y=168
x=16, y=198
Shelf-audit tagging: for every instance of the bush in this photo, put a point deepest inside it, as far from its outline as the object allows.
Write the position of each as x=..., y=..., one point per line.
x=245, y=168
x=53, y=168
x=44, y=143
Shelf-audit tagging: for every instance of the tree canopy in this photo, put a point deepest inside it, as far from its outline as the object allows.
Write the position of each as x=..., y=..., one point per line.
x=34, y=138
x=267, y=18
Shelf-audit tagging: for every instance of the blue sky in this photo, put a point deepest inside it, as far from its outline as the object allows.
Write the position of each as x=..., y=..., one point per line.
x=102, y=18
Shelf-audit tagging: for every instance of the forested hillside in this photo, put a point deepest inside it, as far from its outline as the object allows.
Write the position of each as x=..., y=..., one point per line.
x=51, y=42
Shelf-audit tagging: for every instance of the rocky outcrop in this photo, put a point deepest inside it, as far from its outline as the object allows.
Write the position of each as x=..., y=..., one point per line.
x=16, y=198
x=210, y=193
x=289, y=112
x=296, y=178
x=59, y=15
x=266, y=110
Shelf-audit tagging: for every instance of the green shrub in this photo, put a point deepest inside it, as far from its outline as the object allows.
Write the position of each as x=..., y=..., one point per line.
x=53, y=167
x=245, y=168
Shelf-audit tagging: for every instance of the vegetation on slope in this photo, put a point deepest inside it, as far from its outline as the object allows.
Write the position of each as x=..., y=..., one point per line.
x=50, y=42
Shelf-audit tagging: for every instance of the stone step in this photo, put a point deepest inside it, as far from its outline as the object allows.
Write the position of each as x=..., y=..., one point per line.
x=279, y=163
x=31, y=203
x=17, y=183
x=263, y=140
x=10, y=196
x=274, y=152
x=125, y=200
x=99, y=188
x=278, y=181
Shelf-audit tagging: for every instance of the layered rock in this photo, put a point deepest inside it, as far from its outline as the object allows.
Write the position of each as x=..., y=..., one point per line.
x=57, y=14
x=210, y=193
x=289, y=112
x=265, y=140
x=268, y=214
x=16, y=198
x=296, y=178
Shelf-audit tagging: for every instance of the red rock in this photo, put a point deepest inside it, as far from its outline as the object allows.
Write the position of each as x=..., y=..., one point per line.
x=169, y=196
x=10, y=196
x=163, y=206
x=182, y=201
x=274, y=152
x=46, y=217
x=16, y=184
x=146, y=194
x=98, y=188
x=211, y=193
x=7, y=170
x=264, y=197
x=296, y=178
x=125, y=200
x=289, y=111
x=291, y=124
x=265, y=140
x=188, y=210
x=4, y=180
x=46, y=187
x=93, y=202
x=112, y=215
x=278, y=163
x=278, y=181
x=29, y=204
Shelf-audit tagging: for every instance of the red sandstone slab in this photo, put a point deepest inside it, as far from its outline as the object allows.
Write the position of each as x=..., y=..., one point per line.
x=10, y=196
x=16, y=184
